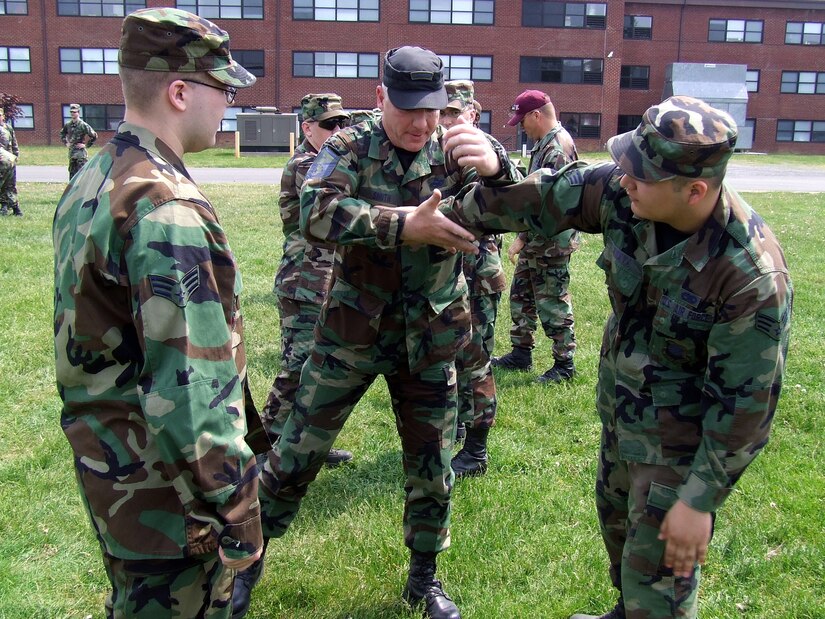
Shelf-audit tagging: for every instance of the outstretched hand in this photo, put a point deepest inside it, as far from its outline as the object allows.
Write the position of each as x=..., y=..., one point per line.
x=425, y=224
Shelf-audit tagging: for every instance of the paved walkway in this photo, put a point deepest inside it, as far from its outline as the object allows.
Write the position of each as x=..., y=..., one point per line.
x=742, y=177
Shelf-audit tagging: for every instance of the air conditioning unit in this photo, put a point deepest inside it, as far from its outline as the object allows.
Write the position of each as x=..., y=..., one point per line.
x=267, y=132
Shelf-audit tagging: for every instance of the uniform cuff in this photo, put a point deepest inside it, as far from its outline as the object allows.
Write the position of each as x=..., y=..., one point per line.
x=701, y=495
x=242, y=540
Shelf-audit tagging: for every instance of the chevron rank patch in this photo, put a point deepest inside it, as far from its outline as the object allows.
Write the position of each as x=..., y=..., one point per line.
x=178, y=292
x=768, y=325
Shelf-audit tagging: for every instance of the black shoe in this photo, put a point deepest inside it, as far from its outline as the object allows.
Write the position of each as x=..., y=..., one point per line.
x=422, y=587
x=560, y=372
x=18, y=213
x=245, y=581
x=472, y=459
x=336, y=457
x=616, y=613
x=516, y=359
x=460, y=432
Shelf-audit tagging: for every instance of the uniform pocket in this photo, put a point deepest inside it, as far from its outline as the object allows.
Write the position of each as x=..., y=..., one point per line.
x=350, y=317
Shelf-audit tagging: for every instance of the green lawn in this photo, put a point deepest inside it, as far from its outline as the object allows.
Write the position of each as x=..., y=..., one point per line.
x=525, y=536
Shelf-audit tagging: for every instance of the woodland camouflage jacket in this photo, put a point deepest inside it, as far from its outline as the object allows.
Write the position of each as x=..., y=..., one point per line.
x=150, y=359
x=694, y=350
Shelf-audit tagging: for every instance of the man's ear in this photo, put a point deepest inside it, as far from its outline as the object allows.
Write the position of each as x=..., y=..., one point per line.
x=697, y=189
x=178, y=94
x=379, y=97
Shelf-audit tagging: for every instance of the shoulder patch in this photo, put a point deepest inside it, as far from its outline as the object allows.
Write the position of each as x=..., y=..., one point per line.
x=768, y=325
x=324, y=164
x=575, y=178
x=178, y=292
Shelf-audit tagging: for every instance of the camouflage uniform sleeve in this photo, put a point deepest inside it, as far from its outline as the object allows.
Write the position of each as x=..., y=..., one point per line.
x=546, y=202
x=91, y=133
x=15, y=149
x=331, y=214
x=63, y=132
x=746, y=360
x=191, y=393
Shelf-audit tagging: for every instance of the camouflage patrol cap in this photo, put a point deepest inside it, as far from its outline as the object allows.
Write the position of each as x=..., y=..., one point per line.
x=74, y=107
x=322, y=106
x=359, y=116
x=172, y=40
x=682, y=136
x=459, y=93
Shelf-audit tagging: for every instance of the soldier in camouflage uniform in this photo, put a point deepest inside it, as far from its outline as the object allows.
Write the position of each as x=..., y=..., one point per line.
x=149, y=351
x=78, y=136
x=694, y=351
x=306, y=268
x=485, y=280
x=9, y=154
x=397, y=305
x=541, y=280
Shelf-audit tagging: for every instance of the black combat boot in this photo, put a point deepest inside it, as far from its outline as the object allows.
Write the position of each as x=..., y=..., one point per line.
x=517, y=359
x=245, y=581
x=460, y=432
x=334, y=457
x=616, y=613
x=560, y=372
x=472, y=459
x=4, y=211
x=422, y=586
x=16, y=210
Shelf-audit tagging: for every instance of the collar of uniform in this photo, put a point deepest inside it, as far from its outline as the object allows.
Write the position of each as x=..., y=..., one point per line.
x=147, y=140
x=704, y=243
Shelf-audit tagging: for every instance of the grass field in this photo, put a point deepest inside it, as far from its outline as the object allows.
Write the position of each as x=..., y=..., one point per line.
x=525, y=536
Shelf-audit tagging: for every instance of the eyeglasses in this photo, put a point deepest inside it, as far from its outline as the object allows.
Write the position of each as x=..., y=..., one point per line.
x=330, y=124
x=229, y=92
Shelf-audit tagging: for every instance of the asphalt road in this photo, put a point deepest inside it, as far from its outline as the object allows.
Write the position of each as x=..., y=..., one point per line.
x=742, y=177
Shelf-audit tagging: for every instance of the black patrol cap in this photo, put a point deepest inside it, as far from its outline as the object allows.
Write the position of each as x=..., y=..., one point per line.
x=414, y=79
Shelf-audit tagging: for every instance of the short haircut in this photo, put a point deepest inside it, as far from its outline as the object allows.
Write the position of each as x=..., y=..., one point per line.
x=141, y=88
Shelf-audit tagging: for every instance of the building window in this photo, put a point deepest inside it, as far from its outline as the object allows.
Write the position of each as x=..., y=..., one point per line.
x=88, y=60
x=803, y=82
x=229, y=122
x=14, y=7
x=628, y=122
x=334, y=64
x=335, y=10
x=804, y=33
x=800, y=131
x=750, y=123
x=636, y=77
x=638, y=27
x=544, y=14
x=561, y=70
x=470, y=12
x=485, y=122
x=752, y=80
x=98, y=8
x=224, y=9
x=250, y=59
x=582, y=125
x=476, y=68
x=99, y=117
x=735, y=31
x=26, y=118
x=15, y=60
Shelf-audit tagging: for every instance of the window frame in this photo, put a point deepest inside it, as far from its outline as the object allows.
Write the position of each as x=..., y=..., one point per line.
x=728, y=32
x=473, y=72
x=633, y=82
x=804, y=25
x=30, y=115
x=4, y=7
x=477, y=16
x=223, y=9
x=8, y=61
x=565, y=68
x=81, y=8
x=795, y=128
x=633, y=32
x=111, y=63
x=561, y=14
x=238, y=55
x=315, y=63
x=749, y=81
x=335, y=13
x=816, y=79
x=111, y=111
x=593, y=132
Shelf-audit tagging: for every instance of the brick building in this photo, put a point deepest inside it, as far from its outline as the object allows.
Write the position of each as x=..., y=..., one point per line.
x=603, y=63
